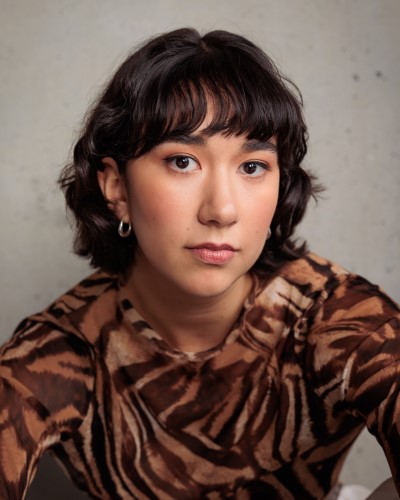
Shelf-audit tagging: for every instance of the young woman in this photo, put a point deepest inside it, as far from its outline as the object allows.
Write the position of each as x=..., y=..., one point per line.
x=210, y=355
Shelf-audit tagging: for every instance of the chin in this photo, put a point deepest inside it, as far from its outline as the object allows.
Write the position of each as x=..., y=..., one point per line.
x=210, y=284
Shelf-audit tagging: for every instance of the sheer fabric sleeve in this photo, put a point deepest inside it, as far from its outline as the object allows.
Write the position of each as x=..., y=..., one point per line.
x=46, y=378
x=354, y=350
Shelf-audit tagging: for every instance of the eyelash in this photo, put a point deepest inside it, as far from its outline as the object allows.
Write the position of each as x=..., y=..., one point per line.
x=265, y=167
x=170, y=159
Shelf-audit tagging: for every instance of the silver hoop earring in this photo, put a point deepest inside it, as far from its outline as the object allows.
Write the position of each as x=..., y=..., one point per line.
x=122, y=231
x=269, y=233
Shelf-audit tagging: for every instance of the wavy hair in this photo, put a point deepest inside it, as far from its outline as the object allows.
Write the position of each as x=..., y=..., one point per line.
x=164, y=89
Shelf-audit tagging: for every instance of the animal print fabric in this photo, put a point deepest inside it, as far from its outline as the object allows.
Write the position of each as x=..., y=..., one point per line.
x=269, y=413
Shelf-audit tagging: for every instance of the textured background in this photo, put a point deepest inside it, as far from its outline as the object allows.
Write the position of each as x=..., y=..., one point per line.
x=345, y=57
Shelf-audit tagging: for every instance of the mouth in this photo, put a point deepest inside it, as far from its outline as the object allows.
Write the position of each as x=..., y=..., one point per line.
x=210, y=253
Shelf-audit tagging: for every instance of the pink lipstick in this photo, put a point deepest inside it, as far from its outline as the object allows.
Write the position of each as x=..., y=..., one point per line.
x=211, y=253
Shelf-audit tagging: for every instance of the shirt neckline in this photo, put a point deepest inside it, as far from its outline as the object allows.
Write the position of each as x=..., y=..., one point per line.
x=143, y=328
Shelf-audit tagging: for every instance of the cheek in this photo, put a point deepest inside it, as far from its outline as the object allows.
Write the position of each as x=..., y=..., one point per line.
x=158, y=208
x=261, y=212
x=258, y=229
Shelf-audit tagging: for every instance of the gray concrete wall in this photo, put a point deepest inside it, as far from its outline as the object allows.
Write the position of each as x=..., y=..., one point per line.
x=345, y=57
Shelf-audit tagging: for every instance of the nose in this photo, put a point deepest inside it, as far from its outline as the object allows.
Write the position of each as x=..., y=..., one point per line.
x=219, y=201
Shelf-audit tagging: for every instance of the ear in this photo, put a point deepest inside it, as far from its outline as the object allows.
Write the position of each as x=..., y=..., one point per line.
x=113, y=188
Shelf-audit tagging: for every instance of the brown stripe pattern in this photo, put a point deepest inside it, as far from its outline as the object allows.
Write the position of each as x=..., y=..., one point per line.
x=269, y=413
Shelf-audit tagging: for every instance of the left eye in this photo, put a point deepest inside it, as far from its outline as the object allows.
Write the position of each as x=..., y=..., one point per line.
x=182, y=163
x=253, y=168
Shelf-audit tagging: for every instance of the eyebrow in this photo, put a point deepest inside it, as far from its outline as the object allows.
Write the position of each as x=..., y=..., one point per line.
x=255, y=145
x=191, y=140
x=199, y=140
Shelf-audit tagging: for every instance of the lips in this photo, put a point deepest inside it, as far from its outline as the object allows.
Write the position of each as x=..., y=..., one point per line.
x=211, y=253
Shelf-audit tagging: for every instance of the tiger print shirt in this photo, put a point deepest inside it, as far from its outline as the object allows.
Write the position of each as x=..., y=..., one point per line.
x=269, y=413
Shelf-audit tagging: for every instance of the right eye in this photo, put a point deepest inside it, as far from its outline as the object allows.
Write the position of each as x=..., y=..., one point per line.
x=182, y=163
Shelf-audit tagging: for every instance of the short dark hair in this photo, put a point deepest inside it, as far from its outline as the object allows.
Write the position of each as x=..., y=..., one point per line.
x=162, y=90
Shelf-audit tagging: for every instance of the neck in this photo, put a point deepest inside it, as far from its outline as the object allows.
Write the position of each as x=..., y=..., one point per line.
x=187, y=322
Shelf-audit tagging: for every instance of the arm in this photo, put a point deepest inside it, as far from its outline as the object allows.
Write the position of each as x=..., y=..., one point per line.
x=45, y=380
x=355, y=346
x=372, y=389
x=25, y=424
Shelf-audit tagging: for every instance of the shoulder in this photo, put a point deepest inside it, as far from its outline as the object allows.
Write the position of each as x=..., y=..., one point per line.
x=314, y=283
x=49, y=360
x=319, y=304
x=81, y=311
x=49, y=369
x=350, y=331
x=340, y=328
x=344, y=296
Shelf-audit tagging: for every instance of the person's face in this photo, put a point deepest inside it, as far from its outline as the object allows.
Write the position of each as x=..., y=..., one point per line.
x=201, y=208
